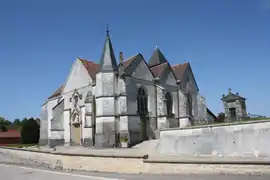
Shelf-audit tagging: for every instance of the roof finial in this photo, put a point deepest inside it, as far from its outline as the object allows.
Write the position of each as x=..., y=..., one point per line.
x=107, y=31
x=156, y=46
x=121, y=58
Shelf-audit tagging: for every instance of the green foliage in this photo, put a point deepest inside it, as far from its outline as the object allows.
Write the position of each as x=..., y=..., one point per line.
x=255, y=118
x=20, y=145
x=17, y=122
x=221, y=117
x=4, y=124
x=124, y=139
x=3, y=128
x=30, y=131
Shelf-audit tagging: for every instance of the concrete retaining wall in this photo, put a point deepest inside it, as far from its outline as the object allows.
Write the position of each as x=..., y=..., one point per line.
x=123, y=165
x=235, y=139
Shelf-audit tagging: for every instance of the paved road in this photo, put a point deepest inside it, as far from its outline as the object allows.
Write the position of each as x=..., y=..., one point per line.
x=11, y=172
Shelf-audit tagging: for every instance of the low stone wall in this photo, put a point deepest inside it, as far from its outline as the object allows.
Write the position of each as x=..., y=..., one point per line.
x=123, y=165
x=234, y=139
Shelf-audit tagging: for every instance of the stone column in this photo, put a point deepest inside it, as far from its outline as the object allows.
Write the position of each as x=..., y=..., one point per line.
x=184, y=119
x=87, y=125
x=161, y=110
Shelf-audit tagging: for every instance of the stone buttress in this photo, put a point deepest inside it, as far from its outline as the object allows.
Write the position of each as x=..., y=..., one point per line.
x=106, y=86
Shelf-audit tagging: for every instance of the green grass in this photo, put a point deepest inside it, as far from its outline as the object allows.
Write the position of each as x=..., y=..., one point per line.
x=20, y=145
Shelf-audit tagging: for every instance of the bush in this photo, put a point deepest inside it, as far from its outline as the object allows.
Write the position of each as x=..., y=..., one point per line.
x=30, y=131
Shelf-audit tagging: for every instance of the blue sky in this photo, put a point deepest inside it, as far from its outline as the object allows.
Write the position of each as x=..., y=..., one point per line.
x=227, y=43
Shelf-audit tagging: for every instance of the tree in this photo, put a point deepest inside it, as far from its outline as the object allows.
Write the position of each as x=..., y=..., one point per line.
x=38, y=121
x=3, y=128
x=30, y=131
x=221, y=117
x=17, y=122
x=4, y=124
x=16, y=125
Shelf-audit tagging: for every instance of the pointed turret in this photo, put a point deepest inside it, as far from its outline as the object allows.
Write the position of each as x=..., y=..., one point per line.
x=108, y=61
x=157, y=58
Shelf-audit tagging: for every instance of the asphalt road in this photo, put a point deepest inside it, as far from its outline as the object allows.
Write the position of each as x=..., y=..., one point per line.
x=12, y=172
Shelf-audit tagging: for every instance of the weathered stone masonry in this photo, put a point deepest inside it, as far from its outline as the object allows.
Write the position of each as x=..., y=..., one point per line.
x=101, y=104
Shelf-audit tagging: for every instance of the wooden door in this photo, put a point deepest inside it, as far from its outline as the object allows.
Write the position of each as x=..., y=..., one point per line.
x=76, y=134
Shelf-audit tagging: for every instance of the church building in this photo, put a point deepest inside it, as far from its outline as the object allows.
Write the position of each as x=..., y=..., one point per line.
x=102, y=103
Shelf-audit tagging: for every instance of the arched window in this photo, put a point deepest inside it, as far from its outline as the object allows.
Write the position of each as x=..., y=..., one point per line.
x=142, y=102
x=169, y=103
x=189, y=105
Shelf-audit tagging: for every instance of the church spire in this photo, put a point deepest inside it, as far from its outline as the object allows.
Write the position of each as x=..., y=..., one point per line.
x=157, y=58
x=108, y=61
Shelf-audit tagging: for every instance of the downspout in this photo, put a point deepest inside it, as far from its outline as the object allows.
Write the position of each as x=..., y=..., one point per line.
x=178, y=100
x=156, y=114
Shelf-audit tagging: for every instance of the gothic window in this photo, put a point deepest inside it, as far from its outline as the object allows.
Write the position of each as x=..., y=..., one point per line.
x=142, y=102
x=169, y=103
x=189, y=105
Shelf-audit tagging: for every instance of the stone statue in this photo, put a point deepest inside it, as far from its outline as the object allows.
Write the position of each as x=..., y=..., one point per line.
x=76, y=118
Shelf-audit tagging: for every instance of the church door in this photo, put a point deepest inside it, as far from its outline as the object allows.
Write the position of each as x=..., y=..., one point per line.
x=233, y=114
x=143, y=127
x=76, y=134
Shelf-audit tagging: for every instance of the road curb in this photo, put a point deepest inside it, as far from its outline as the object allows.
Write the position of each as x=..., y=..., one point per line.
x=98, y=154
x=263, y=163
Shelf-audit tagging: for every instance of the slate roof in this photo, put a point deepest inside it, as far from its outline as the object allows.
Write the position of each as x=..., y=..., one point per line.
x=158, y=69
x=108, y=61
x=57, y=92
x=157, y=64
x=91, y=67
x=211, y=114
x=179, y=70
x=157, y=58
x=128, y=61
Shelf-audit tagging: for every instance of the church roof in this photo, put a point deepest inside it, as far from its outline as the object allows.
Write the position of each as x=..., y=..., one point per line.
x=108, y=61
x=157, y=58
x=91, y=67
x=179, y=70
x=57, y=92
x=128, y=61
x=159, y=69
x=232, y=96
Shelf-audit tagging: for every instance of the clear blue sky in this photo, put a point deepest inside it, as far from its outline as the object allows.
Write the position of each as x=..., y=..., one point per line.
x=226, y=41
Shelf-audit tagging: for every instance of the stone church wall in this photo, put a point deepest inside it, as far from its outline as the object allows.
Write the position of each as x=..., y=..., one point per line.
x=57, y=125
x=57, y=122
x=202, y=117
x=132, y=85
x=50, y=105
x=57, y=137
x=43, y=140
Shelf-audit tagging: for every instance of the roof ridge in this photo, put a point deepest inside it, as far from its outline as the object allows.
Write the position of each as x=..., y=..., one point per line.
x=159, y=65
x=90, y=61
x=180, y=64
